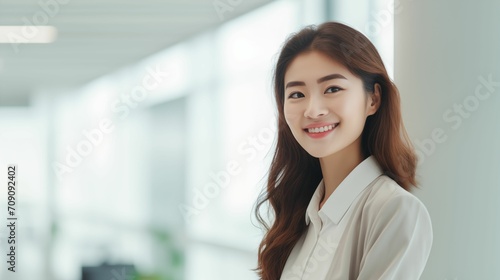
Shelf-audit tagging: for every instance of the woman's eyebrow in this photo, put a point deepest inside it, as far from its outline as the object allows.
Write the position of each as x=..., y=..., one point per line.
x=320, y=80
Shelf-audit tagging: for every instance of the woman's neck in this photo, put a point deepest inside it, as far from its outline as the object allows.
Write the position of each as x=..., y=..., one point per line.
x=336, y=167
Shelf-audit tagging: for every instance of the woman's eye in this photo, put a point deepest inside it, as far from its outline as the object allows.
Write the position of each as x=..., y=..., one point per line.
x=333, y=89
x=295, y=95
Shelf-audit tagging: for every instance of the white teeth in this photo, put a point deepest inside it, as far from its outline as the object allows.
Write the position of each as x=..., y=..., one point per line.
x=321, y=129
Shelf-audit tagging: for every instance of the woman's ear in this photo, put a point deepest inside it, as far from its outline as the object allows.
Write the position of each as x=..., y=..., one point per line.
x=374, y=100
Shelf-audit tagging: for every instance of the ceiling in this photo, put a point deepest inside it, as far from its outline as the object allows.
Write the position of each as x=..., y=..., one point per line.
x=97, y=37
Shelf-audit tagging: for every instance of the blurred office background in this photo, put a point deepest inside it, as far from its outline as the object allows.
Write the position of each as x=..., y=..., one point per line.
x=142, y=133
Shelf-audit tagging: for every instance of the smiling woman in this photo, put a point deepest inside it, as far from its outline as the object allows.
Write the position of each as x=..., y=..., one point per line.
x=343, y=167
x=342, y=95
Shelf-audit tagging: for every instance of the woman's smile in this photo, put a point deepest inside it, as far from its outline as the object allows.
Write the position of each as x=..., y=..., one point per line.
x=320, y=131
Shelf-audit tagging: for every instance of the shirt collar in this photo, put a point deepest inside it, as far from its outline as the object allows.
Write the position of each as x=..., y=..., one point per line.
x=341, y=199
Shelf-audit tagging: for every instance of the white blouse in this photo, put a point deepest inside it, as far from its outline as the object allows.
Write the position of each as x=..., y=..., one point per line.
x=369, y=228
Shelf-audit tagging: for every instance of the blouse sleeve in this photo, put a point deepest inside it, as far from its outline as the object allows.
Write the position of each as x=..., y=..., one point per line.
x=398, y=240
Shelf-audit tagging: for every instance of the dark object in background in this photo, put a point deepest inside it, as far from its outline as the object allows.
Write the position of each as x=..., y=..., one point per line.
x=109, y=272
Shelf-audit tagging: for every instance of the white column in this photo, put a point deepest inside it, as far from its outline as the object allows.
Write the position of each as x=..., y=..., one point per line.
x=445, y=52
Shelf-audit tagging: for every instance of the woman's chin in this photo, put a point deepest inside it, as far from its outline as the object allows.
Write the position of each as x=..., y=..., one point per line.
x=320, y=154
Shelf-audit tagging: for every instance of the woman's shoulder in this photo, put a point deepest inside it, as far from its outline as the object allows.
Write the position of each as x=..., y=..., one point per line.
x=386, y=196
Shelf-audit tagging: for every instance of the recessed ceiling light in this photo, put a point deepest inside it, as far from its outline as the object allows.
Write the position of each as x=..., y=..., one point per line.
x=27, y=34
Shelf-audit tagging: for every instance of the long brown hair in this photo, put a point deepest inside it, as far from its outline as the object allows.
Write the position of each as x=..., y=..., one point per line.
x=294, y=174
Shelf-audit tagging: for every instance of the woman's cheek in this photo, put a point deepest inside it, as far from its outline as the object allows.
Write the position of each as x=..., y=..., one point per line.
x=291, y=119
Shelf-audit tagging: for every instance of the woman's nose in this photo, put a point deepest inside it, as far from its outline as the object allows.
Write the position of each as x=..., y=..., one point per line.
x=315, y=108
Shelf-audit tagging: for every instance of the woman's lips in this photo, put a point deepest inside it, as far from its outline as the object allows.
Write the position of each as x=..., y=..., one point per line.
x=320, y=132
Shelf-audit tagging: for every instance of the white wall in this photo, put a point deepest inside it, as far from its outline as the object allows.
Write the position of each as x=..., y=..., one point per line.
x=442, y=48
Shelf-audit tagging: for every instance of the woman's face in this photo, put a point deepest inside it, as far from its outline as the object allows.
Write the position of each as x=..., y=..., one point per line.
x=325, y=105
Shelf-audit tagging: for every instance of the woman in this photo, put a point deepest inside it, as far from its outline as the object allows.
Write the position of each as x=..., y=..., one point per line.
x=343, y=167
